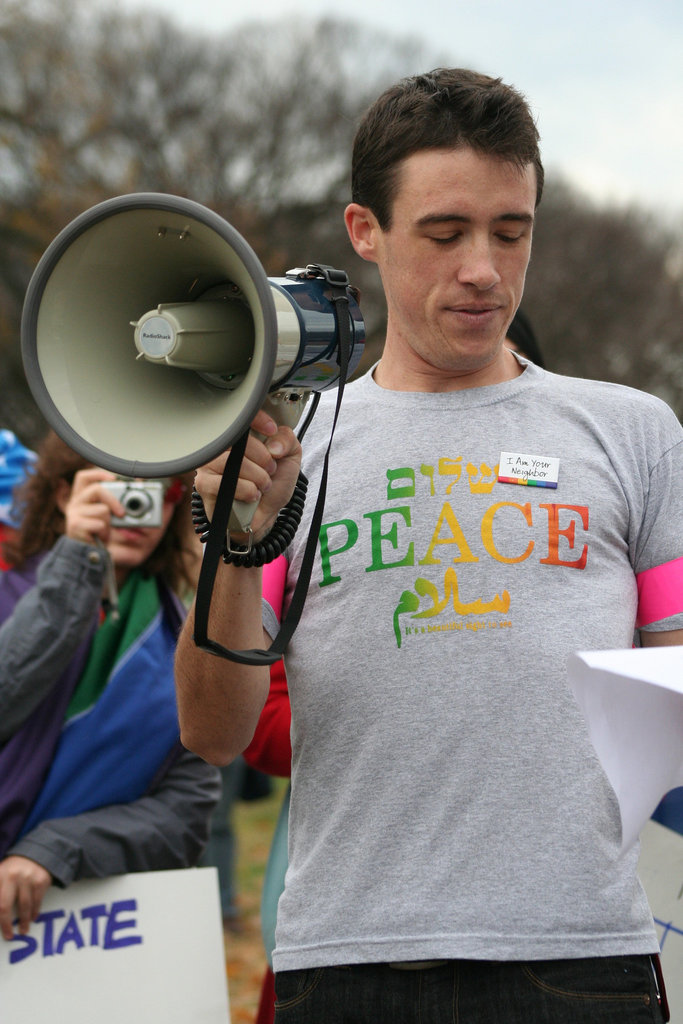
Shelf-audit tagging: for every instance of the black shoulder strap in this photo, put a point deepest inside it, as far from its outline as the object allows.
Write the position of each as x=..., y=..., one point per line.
x=226, y=493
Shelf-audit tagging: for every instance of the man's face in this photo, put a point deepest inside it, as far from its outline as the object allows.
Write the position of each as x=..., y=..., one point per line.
x=452, y=264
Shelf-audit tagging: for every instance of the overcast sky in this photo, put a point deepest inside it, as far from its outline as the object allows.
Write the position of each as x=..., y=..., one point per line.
x=603, y=77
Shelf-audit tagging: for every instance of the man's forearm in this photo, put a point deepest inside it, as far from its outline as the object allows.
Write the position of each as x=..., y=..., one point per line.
x=219, y=701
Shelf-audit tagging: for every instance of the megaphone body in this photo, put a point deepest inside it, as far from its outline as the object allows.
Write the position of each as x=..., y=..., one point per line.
x=151, y=335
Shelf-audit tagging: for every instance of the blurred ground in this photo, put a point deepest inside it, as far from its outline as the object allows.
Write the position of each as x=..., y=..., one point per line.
x=244, y=957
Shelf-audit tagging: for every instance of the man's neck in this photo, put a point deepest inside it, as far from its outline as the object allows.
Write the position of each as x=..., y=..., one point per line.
x=393, y=375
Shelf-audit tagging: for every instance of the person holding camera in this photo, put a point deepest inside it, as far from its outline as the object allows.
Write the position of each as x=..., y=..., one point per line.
x=455, y=848
x=93, y=778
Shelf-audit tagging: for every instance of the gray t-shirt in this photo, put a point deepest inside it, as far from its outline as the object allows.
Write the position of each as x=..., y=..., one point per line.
x=447, y=801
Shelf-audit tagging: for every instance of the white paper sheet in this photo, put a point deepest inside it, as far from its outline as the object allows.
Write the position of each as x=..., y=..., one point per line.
x=633, y=703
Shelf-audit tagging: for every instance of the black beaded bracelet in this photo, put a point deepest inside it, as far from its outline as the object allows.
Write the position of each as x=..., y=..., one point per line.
x=273, y=544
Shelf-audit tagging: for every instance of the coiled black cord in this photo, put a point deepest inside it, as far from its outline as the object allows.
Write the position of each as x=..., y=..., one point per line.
x=273, y=544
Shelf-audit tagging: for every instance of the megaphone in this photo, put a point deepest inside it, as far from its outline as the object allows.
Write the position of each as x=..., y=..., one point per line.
x=151, y=335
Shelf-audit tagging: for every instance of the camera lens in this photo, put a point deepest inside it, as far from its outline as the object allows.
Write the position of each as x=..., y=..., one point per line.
x=136, y=503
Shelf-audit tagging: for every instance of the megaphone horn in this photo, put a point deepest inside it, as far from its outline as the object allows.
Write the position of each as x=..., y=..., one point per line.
x=151, y=335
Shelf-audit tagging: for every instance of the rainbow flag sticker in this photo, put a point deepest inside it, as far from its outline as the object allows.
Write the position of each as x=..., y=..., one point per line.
x=529, y=470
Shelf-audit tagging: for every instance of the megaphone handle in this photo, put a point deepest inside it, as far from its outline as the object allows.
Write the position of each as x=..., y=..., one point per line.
x=285, y=413
x=241, y=515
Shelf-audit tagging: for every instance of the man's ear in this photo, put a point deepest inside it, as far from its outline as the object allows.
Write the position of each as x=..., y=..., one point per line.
x=363, y=230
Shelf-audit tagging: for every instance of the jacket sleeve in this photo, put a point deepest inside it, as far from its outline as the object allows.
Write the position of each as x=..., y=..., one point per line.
x=165, y=829
x=46, y=627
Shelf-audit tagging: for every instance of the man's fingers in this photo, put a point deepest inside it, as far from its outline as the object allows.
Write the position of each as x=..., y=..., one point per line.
x=264, y=424
x=258, y=471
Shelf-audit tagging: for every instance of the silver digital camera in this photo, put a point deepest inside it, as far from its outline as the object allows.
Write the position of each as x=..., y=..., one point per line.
x=143, y=502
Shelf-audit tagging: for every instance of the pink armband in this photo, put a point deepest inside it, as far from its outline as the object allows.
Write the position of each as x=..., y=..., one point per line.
x=660, y=592
x=274, y=576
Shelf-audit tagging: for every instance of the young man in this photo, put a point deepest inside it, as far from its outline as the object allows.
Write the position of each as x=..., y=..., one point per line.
x=455, y=847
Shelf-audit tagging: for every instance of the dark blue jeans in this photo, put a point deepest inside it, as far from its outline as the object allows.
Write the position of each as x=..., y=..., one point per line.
x=604, y=990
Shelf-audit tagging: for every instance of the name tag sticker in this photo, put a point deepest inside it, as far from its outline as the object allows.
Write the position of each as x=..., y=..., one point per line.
x=531, y=470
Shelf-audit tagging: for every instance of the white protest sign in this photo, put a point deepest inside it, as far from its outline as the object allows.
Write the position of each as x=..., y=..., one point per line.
x=142, y=948
x=633, y=704
x=661, y=872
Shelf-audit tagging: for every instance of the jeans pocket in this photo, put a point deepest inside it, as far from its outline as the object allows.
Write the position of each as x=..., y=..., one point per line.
x=599, y=980
x=293, y=987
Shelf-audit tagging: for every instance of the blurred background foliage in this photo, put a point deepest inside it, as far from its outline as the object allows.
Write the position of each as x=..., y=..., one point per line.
x=257, y=125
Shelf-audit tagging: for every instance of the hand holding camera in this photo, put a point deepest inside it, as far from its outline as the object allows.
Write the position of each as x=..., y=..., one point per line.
x=89, y=506
x=98, y=502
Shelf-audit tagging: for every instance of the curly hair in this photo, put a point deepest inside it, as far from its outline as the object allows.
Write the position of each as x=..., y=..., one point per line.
x=43, y=522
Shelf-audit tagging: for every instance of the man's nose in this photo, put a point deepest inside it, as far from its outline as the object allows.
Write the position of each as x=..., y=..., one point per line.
x=478, y=265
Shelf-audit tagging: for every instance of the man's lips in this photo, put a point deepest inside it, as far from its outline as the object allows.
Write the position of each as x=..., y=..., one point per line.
x=473, y=313
x=474, y=307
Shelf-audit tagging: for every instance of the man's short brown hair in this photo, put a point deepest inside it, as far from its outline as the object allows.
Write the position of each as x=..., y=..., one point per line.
x=447, y=108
